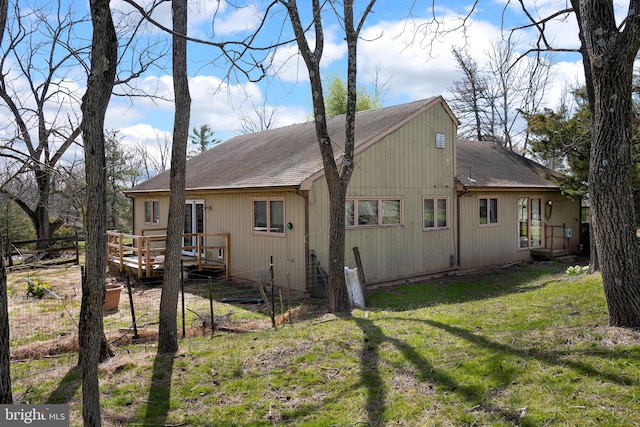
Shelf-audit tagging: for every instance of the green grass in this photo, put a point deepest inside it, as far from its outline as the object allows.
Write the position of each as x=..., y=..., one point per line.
x=452, y=351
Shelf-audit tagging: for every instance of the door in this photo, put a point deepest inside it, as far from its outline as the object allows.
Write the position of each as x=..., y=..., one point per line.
x=530, y=224
x=193, y=223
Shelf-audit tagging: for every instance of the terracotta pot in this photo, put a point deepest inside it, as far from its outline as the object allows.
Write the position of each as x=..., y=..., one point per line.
x=112, y=297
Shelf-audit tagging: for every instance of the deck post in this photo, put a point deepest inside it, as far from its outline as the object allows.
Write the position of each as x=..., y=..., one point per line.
x=140, y=244
x=121, y=249
x=227, y=259
x=199, y=236
x=147, y=259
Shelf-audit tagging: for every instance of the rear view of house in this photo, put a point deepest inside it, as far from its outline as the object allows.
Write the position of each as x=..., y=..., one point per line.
x=410, y=209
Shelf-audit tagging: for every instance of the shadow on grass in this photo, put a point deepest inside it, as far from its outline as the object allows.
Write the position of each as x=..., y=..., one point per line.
x=159, y=400
x=557, y=358
x=67, y=387
x=472, y=287
x=371, y=376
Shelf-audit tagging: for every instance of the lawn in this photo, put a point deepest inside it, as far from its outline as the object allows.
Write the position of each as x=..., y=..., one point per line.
x=526, y=345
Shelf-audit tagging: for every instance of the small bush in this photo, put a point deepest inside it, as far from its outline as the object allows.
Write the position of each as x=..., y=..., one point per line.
x=577, y=270
x=37, y=289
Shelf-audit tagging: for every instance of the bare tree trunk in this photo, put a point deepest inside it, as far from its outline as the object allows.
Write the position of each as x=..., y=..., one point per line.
x=610, y=54
x=337, y=177
x=104, y=59
x=5, y=359
x=168, y=330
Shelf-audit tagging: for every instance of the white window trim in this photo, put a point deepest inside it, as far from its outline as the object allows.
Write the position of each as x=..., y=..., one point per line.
x=488, y=199
x=268, y=201
x=380, y=201
x=529, y=246
x=435, y=205
x=154, y=221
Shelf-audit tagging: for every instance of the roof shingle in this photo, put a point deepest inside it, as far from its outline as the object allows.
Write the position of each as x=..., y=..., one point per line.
x=483, y=164
x=281, y=157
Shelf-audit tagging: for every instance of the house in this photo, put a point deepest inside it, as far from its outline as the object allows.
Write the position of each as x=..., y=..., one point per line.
x=419, y=201
x=518, y=209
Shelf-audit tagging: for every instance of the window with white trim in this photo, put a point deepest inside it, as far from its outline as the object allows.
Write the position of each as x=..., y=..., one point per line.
x=441, y=140
x=488, y=211
x=435, y=213
x=151, y=212
x=530, y=224
x=268, y=216
x=367, y=212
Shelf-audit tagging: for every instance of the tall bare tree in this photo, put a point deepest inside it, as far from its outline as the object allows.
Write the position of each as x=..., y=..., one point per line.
x=41, y=58
x=469, y=96
x=261, y=118
x=516, y=87
x=154, y=158
x=168, y=331
x=491, y=101
x=104, y=59
x=39, y=43
x=337, y=176
x=6, y=395
x=609, y=48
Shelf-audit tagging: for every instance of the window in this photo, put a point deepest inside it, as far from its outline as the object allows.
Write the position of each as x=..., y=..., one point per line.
x=268, y=216
x=435, y=213
x=530, y=222
x=373, y=212
x=441, y=140
x=151, y=212
x=488, y=210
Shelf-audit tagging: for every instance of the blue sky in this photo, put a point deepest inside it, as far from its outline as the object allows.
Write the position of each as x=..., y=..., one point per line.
x=396, y=44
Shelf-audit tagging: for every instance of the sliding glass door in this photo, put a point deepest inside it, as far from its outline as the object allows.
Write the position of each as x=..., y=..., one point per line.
x=530, y=223
x=193, y=223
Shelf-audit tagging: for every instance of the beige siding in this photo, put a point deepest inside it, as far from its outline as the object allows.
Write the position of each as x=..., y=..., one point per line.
x=482, y=246
x=139, y=226
x=250, y=254
x=405, y=164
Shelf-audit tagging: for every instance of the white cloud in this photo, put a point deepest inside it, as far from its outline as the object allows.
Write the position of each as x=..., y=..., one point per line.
x=289, y=66
x=416, y=62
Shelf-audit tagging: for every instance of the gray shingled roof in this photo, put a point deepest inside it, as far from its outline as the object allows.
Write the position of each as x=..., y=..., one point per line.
x=483, y=164
x=285, y=156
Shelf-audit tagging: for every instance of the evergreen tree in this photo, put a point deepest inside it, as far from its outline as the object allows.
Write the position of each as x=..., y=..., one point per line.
x=202, y=138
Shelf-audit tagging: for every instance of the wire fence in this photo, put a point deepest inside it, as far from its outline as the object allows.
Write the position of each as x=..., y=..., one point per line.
x=44, y=309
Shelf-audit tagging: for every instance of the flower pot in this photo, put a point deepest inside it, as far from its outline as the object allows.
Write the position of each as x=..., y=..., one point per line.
x=112, y=297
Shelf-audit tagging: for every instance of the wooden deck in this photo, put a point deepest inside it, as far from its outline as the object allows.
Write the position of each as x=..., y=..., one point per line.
x=555, y=242
x=144, y=254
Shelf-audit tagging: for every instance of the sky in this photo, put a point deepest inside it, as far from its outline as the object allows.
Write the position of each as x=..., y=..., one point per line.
x=397, y=46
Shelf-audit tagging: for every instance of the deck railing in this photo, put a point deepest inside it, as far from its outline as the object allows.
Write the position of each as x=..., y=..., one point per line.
x=145, y=253
x=555, y=237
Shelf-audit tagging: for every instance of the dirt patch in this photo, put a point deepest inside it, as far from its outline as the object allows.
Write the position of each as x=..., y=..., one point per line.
x=49, y=326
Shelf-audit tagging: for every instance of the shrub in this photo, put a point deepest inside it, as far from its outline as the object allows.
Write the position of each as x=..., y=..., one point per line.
x=37, y=289
x=577, y=270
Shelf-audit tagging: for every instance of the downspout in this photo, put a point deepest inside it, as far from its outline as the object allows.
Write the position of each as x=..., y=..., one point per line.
x=305, y=196
x=464, y=192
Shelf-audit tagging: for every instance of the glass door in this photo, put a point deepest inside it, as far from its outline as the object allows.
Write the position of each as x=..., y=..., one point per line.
x=536, y=222
x=530, y=223
x=193, y=223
